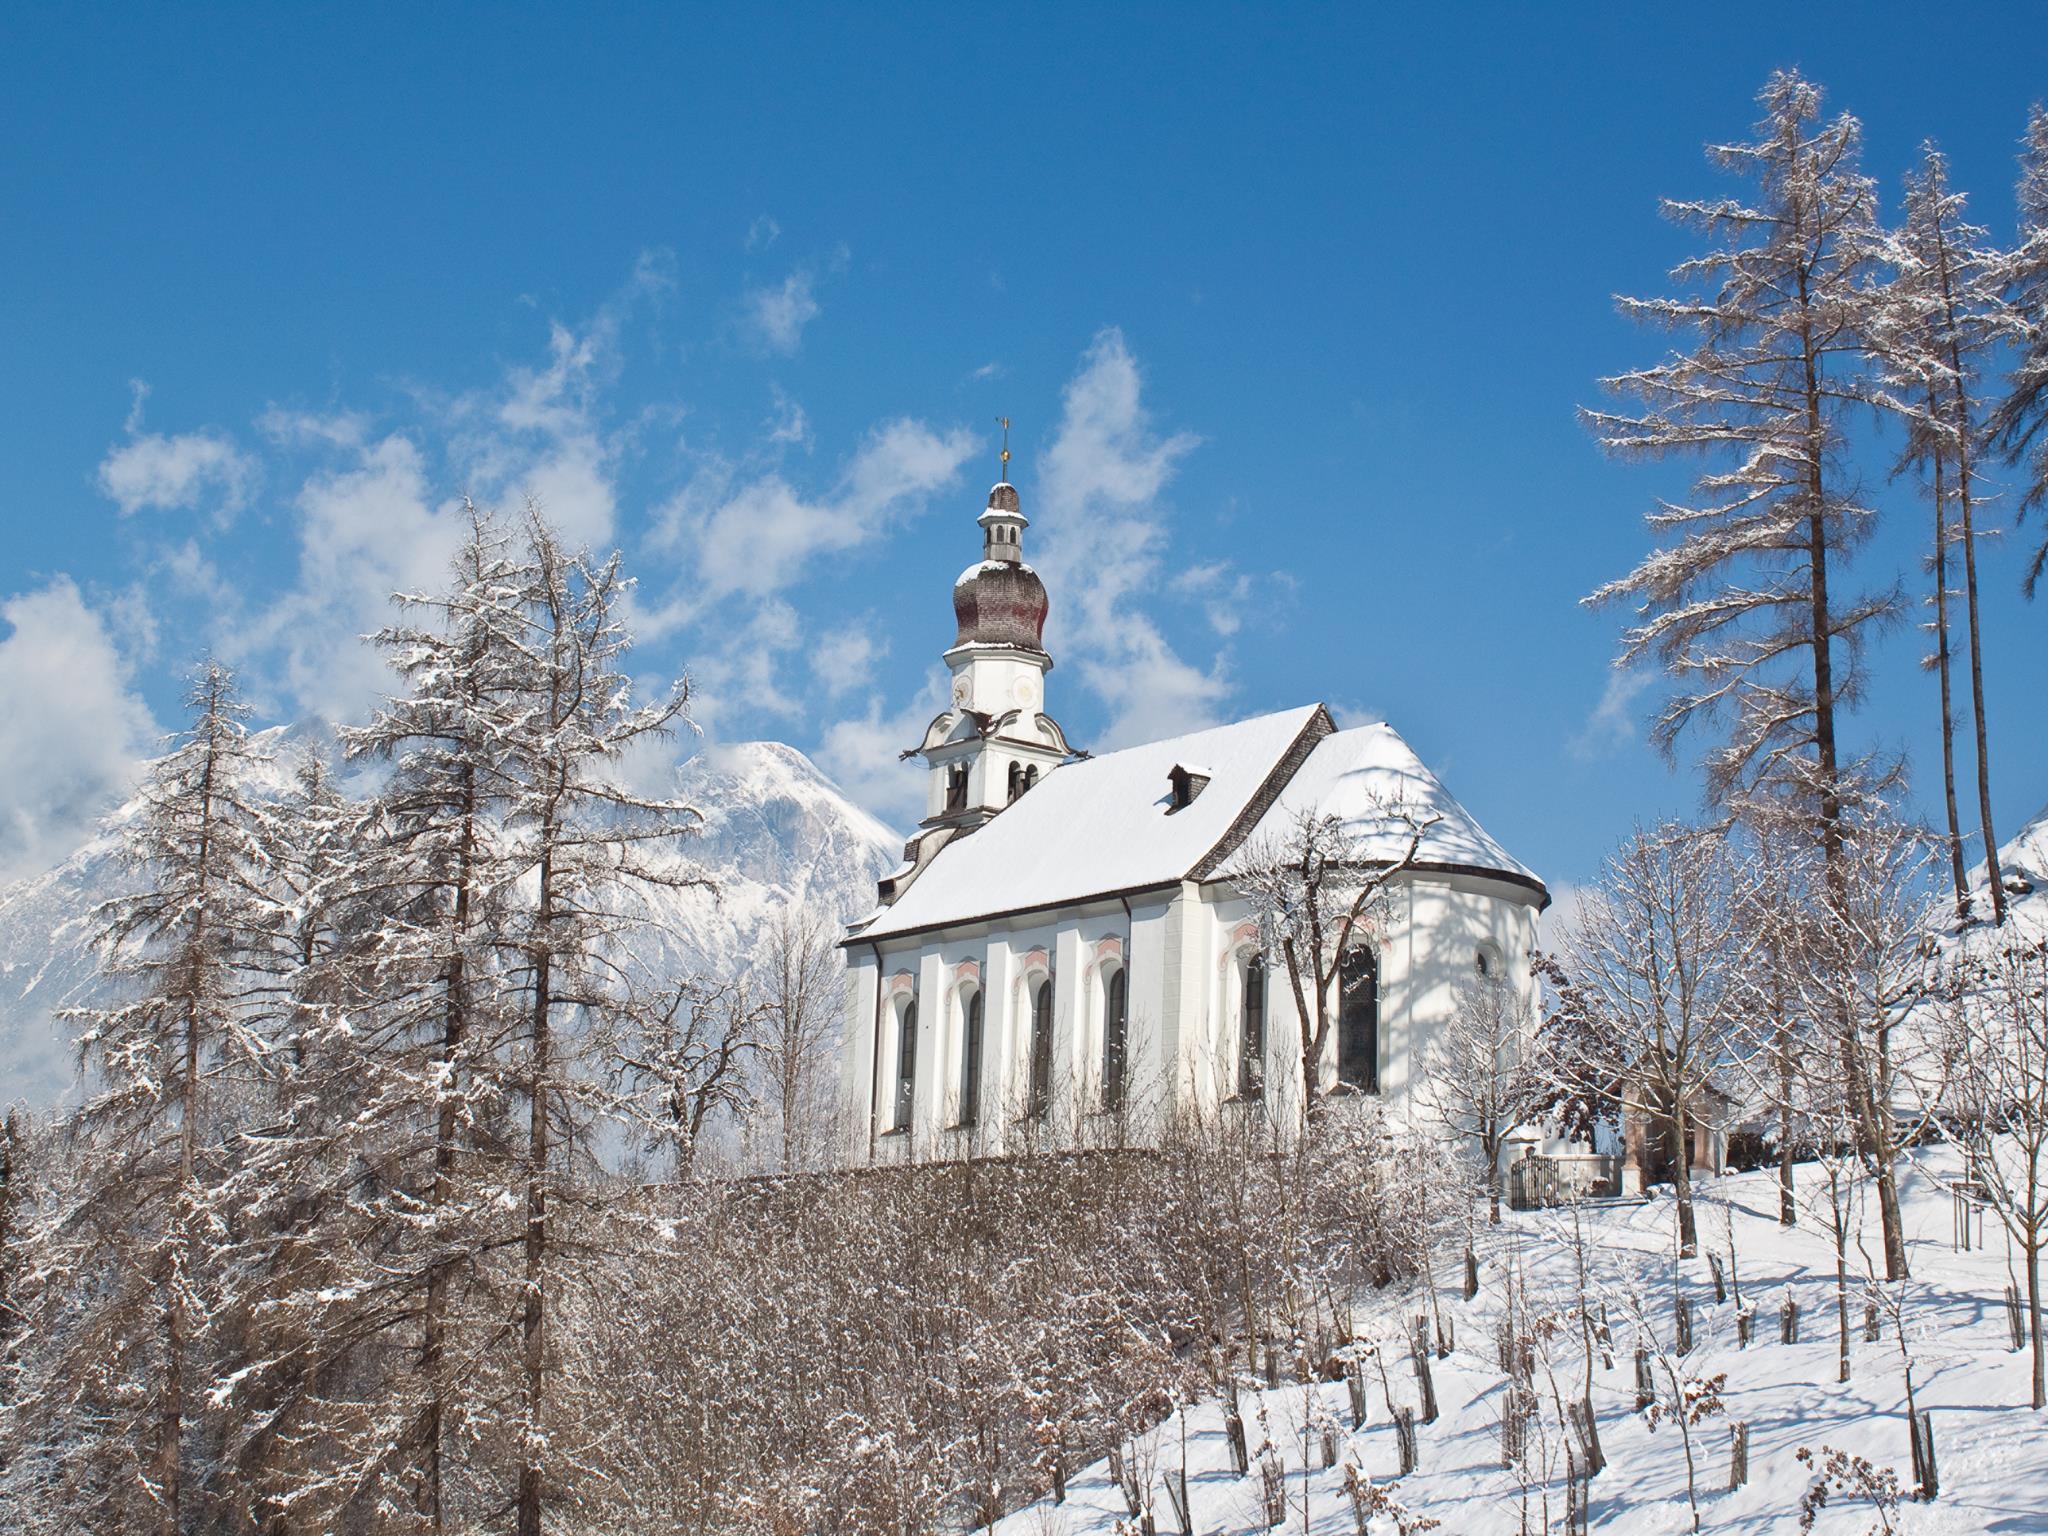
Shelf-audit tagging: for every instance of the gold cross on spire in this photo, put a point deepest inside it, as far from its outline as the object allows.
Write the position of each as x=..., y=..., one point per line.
x=1005, y=472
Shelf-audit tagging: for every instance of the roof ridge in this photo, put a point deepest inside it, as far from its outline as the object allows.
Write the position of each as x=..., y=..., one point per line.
x=1314, y=730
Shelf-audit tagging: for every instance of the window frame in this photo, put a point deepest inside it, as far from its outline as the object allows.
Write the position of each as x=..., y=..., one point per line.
x=1253, y=980
x=1116, y=1038
x=1349, y=1074
x=904, y=1107
x=1038, y=1045
x=973, y=1032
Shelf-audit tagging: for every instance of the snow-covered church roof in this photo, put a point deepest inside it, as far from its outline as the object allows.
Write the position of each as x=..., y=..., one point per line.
x=1371, y=780
x=1107, y=826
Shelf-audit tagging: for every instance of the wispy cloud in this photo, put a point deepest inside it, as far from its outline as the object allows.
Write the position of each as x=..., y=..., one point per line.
x=762, y=233
x=776, y=315
x=862, y=753
x=1103, y=545
x=1612, y=721
x=61, y=671
x=153, y=471
x=756, y=536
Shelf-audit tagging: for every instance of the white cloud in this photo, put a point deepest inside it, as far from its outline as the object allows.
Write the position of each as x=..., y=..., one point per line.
x=758, y=538
x=335, y=429
x=1612, y=721
x=1102, y=545
x=861, y=753
x=762, y=233
x=788, y=424
x=987, y=371
x=776, y=316
x=151, y=471
x=76, y=728
x=541, y=432
x=367, y=529
x=845, y=658
x=743, y=675
x=1223, y=591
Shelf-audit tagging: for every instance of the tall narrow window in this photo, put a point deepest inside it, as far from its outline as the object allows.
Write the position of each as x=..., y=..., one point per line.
x=1116, y=1041
x=906, y=1064
x=970, y=1062
x=1016, y=780
x=1251, y=1038
x=1041, y=1051
x=956, y=787
x=1358, y=1021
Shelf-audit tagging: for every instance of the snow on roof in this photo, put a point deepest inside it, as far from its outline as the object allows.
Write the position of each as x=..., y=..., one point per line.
x=1366, y=777
x=1097, y=827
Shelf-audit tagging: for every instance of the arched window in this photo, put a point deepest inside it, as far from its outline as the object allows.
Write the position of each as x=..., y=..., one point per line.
x=906, y=1064
x=1041, y=1050
x=1031, y=776
x=1482, y=962
x=1016, y=780
x=956, y=787
x=1251, y=1036
x=1358, y=1020
x=970, y=1062
x=1116, y=1040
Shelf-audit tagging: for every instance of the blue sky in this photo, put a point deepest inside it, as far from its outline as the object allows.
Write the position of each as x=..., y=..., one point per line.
x=1291, y=309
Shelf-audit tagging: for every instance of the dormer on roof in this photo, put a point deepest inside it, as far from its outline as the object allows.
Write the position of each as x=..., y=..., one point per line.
x=1184, y=782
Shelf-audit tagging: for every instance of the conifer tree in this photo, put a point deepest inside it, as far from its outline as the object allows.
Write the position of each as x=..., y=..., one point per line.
x=423, y=1053
x=2020, y=424
x=1743, y=601
x=1930, y=328
x=585, y=846
x=141, y=1225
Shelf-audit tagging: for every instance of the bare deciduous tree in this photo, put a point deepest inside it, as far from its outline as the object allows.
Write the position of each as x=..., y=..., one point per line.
x=1659, y=950
x=1993, y=1041
x=1318, y=891
x=802, y=980
x=1478, y=1082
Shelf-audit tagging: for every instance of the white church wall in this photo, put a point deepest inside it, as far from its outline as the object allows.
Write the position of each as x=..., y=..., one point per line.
x=1183, y=953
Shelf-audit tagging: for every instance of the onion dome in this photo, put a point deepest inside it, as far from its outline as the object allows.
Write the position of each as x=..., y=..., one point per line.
x=1001, y=601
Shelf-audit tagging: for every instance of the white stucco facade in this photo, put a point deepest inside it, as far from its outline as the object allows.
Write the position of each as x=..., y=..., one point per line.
x=983, y=994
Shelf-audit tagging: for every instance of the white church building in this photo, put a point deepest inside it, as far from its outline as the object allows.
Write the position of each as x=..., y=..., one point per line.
x=1062, y=958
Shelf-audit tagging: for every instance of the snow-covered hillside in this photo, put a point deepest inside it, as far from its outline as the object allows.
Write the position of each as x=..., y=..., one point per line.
x=2023, y=865
x=775, y=830
x=1991, y=1449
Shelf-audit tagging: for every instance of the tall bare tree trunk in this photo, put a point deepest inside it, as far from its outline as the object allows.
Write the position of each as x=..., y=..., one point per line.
x=1941, y=669
x=1965, y=504
x=534, y=1313
x=1788, y=1204
x=447, y=1127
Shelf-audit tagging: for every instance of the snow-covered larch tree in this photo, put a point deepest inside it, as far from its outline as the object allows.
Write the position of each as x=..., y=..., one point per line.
x=139, y=1229
x=2020, y=423
x=1743, y=602
x=426, y=1044
x=1930, y=327
x=578, y=836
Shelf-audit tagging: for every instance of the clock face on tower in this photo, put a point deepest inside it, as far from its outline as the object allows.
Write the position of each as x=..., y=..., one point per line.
x=1025, y=693
x=961, y=691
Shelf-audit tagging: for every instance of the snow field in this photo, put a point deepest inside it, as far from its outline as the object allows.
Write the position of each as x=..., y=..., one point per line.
x=1991, y=1448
